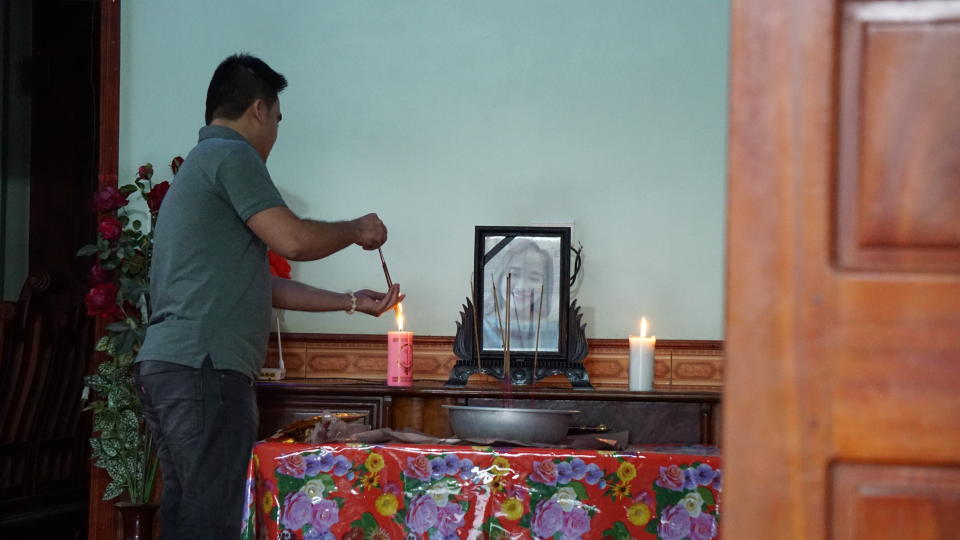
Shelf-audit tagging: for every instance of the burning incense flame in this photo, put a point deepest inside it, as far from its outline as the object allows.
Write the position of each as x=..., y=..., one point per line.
x=399, y=309
x=643, y=327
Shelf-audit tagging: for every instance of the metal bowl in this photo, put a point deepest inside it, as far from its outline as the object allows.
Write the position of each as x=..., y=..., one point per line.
x=545, y=426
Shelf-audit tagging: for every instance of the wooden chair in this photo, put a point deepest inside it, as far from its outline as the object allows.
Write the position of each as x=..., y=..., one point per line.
x=45, y=345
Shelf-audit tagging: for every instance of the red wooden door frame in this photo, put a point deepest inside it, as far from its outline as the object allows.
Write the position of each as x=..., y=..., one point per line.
x=102, y=514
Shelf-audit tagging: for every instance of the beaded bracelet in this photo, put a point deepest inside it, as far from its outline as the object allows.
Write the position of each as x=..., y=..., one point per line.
x=353, y=303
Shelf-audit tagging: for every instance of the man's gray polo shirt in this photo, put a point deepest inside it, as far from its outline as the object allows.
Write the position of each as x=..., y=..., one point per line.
x=209, y=280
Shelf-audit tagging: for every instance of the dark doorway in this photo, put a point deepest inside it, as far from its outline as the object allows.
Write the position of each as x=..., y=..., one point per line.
x=48, y=162
x=63, y=126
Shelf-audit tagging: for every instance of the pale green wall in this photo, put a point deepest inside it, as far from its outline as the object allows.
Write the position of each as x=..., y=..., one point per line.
x=445, y=115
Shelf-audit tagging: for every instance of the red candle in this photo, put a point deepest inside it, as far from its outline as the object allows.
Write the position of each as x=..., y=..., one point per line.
x=399, y=354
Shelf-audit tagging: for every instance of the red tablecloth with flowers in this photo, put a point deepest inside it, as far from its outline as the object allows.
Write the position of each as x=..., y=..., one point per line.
x=353, y=491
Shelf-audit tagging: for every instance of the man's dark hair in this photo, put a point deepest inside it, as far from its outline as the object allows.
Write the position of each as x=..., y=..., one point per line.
x=238, y=81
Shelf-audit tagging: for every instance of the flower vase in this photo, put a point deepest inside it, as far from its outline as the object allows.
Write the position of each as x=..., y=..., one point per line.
x=137, y=520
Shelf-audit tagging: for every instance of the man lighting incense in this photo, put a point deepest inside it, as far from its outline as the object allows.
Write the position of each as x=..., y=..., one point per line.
x=211, y=292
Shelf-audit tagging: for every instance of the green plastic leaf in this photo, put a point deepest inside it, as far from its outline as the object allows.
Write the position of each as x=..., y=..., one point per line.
x=87, y=250
x=367, y=522
x=118, y=327
x=114, y=489
x=109, y=447
x=125, y=342
x=667, y=497
x=287, y=484
x=539, y=491
x=707, y=495
x=414, y=486
x=328, y=485
x=95, y=381
x=115, y=468
x=129, y=422
x=104, y=343
x=579, y=489
x=618, y=531
x=104, y=420
x=96, y=446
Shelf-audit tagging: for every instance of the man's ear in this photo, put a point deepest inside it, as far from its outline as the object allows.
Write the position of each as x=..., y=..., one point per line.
x=259, y=110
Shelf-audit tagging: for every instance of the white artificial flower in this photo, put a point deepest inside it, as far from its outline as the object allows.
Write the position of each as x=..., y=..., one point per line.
x=440, y=494
x=314, y=489
x=566, y=497
x=693, y=502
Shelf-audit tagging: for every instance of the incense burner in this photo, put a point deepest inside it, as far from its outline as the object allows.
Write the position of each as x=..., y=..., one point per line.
x=545, y=426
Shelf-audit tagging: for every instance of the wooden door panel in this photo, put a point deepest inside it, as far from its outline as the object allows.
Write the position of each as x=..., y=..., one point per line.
x=895, y=502
x=843, y=280
x=899, y=123
x=894, y=368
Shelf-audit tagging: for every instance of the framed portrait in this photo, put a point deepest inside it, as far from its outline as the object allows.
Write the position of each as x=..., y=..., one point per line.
x=522, y=291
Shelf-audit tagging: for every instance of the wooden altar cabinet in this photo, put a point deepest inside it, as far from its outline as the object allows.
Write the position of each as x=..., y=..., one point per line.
x=662, y=416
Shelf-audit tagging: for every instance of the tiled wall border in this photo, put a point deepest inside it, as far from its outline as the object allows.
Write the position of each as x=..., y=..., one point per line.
x=679, y=364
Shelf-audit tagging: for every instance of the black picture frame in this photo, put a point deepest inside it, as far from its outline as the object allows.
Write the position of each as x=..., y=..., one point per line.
x=534, y=256
x=547, y=334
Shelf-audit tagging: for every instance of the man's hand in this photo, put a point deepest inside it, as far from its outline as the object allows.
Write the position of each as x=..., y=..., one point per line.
x=371, y=233
x=376, y=303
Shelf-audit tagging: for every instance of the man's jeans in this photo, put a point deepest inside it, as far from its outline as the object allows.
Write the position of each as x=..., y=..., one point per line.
x=204, y=423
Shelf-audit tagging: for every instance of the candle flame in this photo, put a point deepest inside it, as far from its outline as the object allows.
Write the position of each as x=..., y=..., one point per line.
x=643, y=327
x=399, y=310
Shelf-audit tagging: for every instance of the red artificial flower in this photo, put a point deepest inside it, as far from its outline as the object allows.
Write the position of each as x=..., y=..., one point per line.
x=145, y=172
x=110, y=228
x=99, y=274
x=175, y=164
x=101, y=300
x=156, y=195
x=108, y=198
x=278, y=265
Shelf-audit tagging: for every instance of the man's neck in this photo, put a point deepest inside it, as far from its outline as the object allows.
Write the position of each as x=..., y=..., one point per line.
x=239, y=126
x=242, y=127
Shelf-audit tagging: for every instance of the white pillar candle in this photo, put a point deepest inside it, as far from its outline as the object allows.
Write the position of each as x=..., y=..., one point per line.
x=641, y=360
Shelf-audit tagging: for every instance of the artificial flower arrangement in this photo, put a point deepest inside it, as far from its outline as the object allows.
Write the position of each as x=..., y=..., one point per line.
x=119, y=293
x=279, y=266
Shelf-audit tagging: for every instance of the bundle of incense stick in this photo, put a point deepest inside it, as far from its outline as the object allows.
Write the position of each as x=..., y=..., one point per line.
x=496, y=306
x=536, y=346
x=507, y=397
x=506, y=333
x=398, y=309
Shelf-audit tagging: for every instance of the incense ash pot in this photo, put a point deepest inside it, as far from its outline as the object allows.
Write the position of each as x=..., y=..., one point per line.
x=545, y=426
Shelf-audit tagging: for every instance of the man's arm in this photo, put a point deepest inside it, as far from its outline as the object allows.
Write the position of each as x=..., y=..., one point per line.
x=289, y=294
x=307, y=240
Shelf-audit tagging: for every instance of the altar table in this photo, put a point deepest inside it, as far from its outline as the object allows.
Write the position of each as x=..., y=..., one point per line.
x=401, y=491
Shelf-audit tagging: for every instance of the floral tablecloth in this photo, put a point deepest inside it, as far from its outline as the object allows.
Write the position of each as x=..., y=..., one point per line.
x=353, y=491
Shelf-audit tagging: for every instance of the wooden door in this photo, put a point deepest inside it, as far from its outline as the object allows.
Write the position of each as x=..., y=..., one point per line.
x=842, y=401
